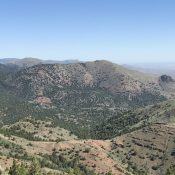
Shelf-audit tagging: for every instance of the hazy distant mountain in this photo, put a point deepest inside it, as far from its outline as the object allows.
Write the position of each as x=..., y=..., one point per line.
x=7, y=60
x=154, y=68
x=29, y=61
x=60, y=62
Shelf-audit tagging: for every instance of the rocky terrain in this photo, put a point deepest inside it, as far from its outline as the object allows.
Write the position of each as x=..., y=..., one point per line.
x=101, y=78
x=149, y=150
x=103, y=89
x=167, y=83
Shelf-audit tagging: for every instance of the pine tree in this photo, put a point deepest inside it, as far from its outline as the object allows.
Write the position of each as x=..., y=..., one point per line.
x=35, y=168
x=171, y=171
x=17, y=169
x=23, y=169
x=14, y=168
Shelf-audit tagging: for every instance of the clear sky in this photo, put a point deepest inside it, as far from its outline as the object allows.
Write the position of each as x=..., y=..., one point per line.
x=117, y=30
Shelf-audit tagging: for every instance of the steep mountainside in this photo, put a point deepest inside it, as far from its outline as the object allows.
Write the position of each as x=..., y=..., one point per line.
x=61, y=83
x=132, y=120
x=7, y=69
x=150, y=150
x=5, y=73
x=76, y=96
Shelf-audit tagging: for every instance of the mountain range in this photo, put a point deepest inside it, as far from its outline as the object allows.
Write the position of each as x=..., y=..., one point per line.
x=86, y=118
x=157, y=69
x=29, y=61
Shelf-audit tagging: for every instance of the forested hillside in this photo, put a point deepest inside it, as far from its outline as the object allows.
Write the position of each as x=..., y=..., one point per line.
x=75, y=96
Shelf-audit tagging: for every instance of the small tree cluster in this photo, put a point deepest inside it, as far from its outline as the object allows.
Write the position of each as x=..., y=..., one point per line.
x=171, y=171
x=23, y=169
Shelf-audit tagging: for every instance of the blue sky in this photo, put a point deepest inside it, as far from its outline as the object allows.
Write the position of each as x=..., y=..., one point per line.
x=121, y=31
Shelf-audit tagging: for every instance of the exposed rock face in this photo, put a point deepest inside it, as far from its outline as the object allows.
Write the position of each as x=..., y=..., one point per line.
x=167, y=83
x=44, y=101
x=166, y=78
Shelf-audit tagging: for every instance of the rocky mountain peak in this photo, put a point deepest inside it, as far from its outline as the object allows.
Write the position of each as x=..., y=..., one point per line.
x=166, y=78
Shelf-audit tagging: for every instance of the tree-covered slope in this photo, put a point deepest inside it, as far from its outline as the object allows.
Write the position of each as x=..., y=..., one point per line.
x=77, y=96
x=124, y=122
x=74, y=81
